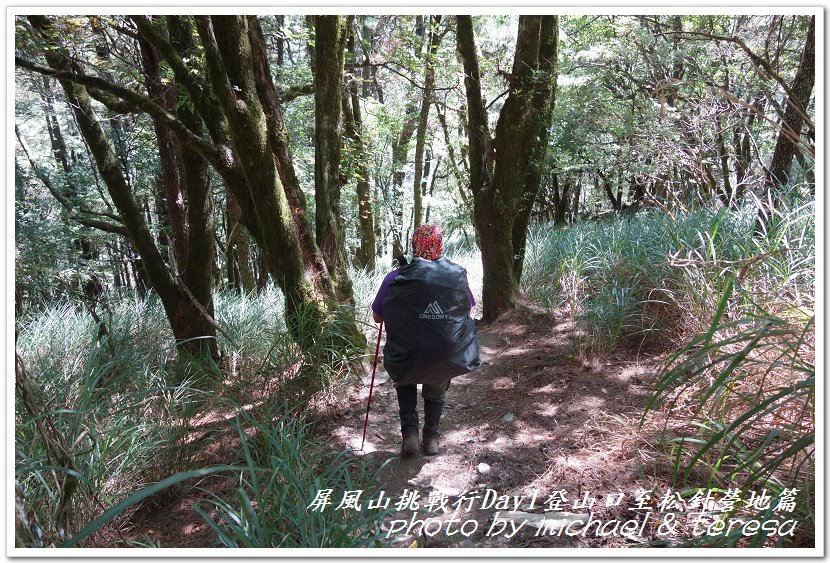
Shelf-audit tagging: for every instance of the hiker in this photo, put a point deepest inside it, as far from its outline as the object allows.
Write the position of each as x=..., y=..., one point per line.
x=430, y=336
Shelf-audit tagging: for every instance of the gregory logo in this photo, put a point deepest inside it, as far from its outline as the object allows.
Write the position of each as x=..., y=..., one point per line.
x=433, y=311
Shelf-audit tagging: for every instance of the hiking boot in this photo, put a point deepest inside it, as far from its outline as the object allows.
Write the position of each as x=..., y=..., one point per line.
x=432, y=419
x=408, y=404
x=408, y=409
x=410, y=445
x=432, y=445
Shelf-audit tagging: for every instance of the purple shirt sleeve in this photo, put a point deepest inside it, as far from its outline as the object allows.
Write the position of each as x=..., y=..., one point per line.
x=377, y=304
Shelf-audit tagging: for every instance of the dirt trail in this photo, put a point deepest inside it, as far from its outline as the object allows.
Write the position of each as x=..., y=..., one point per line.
x=533, y=420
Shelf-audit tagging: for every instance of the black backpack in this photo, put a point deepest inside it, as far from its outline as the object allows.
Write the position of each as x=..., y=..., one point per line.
x=430, y=336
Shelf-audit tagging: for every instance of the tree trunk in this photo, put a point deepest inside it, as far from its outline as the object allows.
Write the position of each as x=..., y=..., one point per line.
x=315, y=265
x=329, y=44
x=498, y=199
x=431, y=181
x=237, y=243
x=423, y=116
x=725, y=192
x=790, y=132
x=185, y=174
x=544, y=96
x=577, y=196
x=616, y=204
x=400, y=149
x=560, y=200
x=169, y=157
x=181, y=312
x=353, y=125
x=233, y=77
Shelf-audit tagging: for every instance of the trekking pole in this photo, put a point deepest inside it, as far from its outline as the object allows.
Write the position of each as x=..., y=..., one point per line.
x=371, y=386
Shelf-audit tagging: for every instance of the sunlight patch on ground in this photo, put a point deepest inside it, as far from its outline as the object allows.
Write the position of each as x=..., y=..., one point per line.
x=515, y=352
x=551, y=388
x=503, y=383
x=631, y=372
x=589, y=403
x=349, y=438
x=546, y=409
x=487, y=352
x=436, y=476
x=572, y=462
x=353, y=444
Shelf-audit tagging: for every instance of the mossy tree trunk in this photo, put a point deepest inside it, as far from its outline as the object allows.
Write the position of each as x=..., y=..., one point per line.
x=543, y=98
x=400, y=149
x=505, y=175
x=186, y=320
x=789, y=136
x=237, y=250
x=312, y=257
x=353, y=126
x=330, y=33
x=189, y=201
x=423, y=118
x=232, y=70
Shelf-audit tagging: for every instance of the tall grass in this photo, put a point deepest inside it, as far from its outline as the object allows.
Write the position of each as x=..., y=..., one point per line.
x=283, y=469
x=652, y=278
x=121, y=416
x=130, y=412
x=748, y=379
x=734, y=298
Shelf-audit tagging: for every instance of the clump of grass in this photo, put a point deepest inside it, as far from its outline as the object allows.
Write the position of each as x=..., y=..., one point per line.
x=283, y=469
x=122, y=402
x=652, y=278
x=735, y=296
x=251, y=320
x=365, y=284
x=739, y=398
x=126, y=407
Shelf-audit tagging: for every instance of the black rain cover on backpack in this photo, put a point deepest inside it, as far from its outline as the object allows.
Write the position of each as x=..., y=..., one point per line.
x=430, y=336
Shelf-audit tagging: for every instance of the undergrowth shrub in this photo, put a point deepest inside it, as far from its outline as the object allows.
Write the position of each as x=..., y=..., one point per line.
x=116, y=404
x=651, y=279
x=735, y=295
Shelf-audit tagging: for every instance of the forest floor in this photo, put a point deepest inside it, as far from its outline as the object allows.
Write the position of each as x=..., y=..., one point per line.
x=536, y=418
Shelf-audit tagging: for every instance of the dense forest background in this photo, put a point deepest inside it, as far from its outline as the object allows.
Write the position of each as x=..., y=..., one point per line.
x=204, y=206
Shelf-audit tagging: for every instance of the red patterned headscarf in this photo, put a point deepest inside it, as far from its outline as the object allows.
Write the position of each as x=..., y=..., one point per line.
x=428, y=242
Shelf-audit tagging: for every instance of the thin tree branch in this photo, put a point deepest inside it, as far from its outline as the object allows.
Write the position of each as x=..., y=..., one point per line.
x=294, y=92
x=208, y=317
x=497, y=98
x=74, y=214
x=105, y=226
x=41, y=174
x=139, y=101
x=756, y=60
